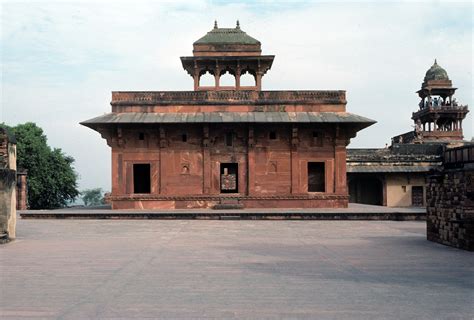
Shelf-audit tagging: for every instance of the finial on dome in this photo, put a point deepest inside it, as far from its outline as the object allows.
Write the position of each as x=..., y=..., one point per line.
x=238, y=25
x=215, y=24
x=435, y=62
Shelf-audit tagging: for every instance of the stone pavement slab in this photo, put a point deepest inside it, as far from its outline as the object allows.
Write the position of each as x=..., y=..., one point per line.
x=194, y=269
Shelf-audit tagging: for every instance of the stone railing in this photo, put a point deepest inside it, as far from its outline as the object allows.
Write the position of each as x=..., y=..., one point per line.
x=440, y=109
x=459, y=156
x=227, y=97
x=441, y=133
x=400, y=154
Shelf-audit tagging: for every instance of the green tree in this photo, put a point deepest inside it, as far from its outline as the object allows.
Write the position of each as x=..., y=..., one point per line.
x=52, y=181
x=93, y=197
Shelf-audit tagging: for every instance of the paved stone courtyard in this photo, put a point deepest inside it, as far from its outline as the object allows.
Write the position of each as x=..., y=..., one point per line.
x=188, y=269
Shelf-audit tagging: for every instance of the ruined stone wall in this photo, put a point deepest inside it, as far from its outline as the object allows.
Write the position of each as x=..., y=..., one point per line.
x=450, y=207
x=7, y=204
x=7, y=187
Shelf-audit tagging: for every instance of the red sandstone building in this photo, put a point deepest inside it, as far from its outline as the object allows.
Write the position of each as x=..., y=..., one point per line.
x=228, y=144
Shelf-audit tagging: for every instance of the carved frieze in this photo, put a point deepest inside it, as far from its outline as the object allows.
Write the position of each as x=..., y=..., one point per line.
x=228, y=97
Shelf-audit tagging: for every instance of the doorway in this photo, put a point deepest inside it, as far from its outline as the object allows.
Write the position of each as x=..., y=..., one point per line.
x=316, y=179
x=229, y=177
x=141, y=178
x=366, y=190
x=417, y=196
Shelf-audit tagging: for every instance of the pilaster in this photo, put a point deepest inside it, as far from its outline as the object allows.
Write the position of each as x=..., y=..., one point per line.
x=206, y=161
x=294, y=159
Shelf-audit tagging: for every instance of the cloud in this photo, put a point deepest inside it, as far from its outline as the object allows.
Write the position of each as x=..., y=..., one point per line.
x=61, y=60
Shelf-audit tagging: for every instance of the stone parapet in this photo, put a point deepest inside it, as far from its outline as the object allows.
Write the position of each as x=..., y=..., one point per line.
x=228, y=97
x=440, y=110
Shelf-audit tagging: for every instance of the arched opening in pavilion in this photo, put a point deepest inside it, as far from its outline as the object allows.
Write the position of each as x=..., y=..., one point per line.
x=206, y=79
x=227, y=79
x=247, y=79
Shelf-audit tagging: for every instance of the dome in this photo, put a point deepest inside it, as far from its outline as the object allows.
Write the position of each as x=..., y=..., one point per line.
x=436, y=73
x=227, y=36
x=227, y=41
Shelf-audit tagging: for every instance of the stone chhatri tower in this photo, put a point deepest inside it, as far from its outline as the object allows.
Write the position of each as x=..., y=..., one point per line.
x=221, y=145
x=439, y=117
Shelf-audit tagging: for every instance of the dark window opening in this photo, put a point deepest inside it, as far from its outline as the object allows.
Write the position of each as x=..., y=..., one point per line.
x=273, y=135
x=316, y=177
x=141, y=178
x=184, y=137
x=317, y=139
x=229, y=137
x=229, y=177
x=141, y=136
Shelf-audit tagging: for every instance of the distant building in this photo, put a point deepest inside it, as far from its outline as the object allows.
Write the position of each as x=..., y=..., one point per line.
x=396, y=176
x=439, y=117
x=231, y=143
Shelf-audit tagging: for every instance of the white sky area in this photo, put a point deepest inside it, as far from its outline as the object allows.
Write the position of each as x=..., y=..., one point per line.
x=60, y=61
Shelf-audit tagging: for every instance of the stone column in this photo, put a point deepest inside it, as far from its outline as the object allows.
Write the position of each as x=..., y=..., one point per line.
x=258, y=80
x=21, y=191
x=196, y=81
x=196, y=76
x=237, y=79
x=436, y=117
x=217, y=74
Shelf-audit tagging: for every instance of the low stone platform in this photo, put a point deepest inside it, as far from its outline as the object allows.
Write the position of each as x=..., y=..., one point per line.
x=354, y=212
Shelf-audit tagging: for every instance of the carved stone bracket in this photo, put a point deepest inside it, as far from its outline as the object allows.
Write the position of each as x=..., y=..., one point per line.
x=107, y=134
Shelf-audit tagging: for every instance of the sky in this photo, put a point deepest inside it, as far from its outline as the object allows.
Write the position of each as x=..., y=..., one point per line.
x=61, y=60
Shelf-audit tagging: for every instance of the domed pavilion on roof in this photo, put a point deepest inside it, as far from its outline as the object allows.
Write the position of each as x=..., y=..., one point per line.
x=440, y=116
x=233, y=145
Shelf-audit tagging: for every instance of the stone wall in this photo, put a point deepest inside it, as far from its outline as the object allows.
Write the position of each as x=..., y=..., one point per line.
x=185, y=165
x=7, y=204
x=450, y=207
x=400, y=188
x=7, y=185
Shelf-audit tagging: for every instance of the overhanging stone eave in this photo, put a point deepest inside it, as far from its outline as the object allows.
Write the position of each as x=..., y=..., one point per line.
x=221, y=58
x=344, y=119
